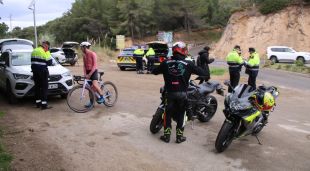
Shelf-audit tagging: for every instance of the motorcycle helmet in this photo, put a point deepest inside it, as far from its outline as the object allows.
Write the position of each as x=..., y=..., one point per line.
x=180, y=47
x=87, y=44
x=264, y=101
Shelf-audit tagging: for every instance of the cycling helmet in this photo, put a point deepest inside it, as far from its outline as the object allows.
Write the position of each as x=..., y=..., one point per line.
x=87, y=44
x=264, y=101
x=179, y=47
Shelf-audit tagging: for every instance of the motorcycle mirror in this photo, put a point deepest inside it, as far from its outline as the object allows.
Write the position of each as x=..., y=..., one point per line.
x=227, y=82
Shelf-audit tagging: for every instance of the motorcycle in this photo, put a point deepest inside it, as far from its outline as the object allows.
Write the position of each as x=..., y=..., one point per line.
x=242, y=116
x=201, y=104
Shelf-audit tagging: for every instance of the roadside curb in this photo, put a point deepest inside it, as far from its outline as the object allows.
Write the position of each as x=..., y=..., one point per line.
x=290, y=72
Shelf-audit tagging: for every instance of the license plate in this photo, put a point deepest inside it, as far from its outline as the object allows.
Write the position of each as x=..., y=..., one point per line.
x=52, y=86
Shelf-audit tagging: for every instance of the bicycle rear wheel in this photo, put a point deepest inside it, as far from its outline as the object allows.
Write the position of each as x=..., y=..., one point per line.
x=80, y=101
x=110, y=93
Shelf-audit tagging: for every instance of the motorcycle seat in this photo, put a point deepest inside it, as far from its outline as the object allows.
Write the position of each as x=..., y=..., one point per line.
x=208, y=87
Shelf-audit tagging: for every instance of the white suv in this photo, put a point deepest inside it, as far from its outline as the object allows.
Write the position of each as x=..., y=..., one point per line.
x=16, y=76
x=286, y=54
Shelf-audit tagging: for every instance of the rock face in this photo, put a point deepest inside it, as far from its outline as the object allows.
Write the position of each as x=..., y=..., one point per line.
x=289, y=27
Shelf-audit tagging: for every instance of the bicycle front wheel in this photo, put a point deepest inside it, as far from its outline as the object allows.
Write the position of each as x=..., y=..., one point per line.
x=80, y=100
x=110, y=93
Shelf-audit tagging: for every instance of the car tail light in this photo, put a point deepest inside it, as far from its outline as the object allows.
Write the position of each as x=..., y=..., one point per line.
x=161, y=59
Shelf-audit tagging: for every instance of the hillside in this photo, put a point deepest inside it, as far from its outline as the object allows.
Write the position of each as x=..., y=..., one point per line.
x=289, y=27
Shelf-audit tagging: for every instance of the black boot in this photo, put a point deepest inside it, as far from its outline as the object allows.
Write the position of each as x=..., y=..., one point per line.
x=166, y=136
x=180, y=138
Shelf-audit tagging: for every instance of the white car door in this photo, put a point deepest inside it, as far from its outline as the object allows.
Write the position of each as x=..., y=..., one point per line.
x=290, y=54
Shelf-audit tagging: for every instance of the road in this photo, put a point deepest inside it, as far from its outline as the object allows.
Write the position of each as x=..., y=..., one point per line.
x=118, y=138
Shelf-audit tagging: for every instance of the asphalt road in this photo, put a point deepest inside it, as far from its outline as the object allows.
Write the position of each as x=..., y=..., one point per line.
x=118, y=138
x=278, y=78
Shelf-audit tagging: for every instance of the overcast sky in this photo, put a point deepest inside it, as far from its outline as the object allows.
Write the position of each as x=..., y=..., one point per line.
x=46, y=10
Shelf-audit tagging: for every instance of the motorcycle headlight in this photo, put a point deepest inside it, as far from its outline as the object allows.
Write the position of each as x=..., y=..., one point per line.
x=20, y=76
x=66, y=74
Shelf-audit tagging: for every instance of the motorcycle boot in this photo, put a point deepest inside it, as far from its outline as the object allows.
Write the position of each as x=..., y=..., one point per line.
x=166, y=136
x=180, y=138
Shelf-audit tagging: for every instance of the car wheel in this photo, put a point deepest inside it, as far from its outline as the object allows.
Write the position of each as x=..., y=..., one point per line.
x=273, y=59
x=122, y=68
x=11, y=97
x=64, y=96
x=301, y=59
x=72, y=63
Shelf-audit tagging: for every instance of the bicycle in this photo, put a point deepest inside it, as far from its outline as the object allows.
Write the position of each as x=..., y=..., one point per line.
x=81, y=98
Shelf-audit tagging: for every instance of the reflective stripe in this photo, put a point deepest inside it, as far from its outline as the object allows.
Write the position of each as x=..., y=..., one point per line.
x=44, y=102
x=234, y=66
x=38, y=101
x=253, y=69
x=38, y=63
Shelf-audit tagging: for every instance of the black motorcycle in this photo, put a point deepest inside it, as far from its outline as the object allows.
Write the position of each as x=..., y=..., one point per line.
x=200, y=105
x=242, y=116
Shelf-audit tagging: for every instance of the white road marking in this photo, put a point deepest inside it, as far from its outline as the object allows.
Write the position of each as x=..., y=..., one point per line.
x=291, y=120
x=293, y=128
x=306, y=124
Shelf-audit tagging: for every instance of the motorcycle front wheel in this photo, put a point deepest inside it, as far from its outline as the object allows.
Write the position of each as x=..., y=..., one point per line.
x=225, y=136
x=157, y=121
x=207, y=112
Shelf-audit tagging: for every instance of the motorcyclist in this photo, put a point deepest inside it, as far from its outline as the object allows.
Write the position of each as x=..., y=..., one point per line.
x=235, y=62
x=176, y=73
x=204, y=62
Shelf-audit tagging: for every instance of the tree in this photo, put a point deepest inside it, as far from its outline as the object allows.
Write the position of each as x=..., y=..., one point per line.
x=3, y=29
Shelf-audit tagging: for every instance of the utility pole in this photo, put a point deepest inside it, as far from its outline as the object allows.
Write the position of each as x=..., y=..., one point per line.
x=32, y=7
x=11, y=22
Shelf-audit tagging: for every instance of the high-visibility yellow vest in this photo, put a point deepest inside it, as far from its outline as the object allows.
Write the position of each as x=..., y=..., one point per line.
x=138, y=53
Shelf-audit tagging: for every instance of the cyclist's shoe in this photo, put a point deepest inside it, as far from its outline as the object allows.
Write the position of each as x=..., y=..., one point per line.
x=100, y=100
x=88, y=105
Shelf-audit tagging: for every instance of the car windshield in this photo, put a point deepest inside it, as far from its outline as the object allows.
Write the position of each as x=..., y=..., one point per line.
x=24, y=58
x=21, y=58
x=126, y=52
x=17, y=47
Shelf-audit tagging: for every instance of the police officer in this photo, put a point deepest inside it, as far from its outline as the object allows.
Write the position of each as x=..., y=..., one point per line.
x=150, y=55
x=138, y=55
x=252, y=67
x=176, y=73
x=235, y=62
x=40, y=59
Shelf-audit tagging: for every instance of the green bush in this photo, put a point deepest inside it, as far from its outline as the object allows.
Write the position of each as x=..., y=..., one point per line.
x=299, y=63
x=271, y=6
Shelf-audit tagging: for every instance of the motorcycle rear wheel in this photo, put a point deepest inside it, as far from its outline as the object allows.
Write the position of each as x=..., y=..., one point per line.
x=209, y=110
x=225, y=136
x=157, y=121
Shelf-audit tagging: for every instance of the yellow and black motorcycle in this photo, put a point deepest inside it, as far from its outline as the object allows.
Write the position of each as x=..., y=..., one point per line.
x=246, y=111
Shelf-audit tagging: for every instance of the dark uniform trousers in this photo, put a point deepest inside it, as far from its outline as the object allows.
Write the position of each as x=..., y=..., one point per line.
x=234, y=73
x=139, y=63
x=40, y=78
x=252, y=78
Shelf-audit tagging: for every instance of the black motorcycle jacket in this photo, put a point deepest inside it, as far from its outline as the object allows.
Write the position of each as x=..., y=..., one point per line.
x=177, y=72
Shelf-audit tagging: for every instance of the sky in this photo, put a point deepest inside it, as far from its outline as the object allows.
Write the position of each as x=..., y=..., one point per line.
x=46, y=10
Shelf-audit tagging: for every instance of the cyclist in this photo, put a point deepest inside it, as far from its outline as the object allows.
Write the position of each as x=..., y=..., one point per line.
x=90, y=68
x=176, y=73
